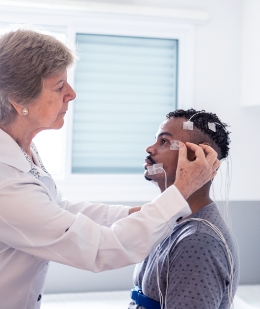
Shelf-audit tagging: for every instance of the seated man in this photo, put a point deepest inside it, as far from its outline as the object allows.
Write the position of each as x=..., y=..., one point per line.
x=197, y=265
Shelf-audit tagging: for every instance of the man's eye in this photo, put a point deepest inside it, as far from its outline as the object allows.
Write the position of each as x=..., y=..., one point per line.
x=164, y=141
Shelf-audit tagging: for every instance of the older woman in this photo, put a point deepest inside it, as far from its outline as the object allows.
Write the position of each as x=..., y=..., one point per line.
x=36, y=224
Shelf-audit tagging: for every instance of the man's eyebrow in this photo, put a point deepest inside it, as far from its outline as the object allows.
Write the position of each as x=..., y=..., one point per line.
x=164, y=133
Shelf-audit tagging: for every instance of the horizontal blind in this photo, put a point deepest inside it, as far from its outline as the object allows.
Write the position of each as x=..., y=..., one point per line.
x=125, y=86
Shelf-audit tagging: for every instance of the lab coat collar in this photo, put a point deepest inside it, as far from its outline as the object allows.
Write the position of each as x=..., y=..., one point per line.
x=11, y=154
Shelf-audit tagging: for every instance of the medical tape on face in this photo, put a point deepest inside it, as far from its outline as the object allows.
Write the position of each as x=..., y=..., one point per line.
x=175, y=145
x=155, y=169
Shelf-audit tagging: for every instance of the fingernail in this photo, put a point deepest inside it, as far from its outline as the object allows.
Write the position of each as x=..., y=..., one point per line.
x=181, y=144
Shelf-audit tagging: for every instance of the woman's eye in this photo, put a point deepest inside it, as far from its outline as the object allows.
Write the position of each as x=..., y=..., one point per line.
x=59, y=89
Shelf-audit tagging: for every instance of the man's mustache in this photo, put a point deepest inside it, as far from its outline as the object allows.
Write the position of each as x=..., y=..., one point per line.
x=151, y=159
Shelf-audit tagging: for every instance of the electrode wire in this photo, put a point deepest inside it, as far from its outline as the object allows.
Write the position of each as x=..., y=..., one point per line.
x=162, y=299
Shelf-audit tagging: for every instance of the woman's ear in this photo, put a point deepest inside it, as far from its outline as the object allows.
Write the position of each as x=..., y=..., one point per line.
x=16, y=106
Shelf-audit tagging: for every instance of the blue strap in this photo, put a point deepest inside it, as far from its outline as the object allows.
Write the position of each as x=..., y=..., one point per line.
x=140, y=299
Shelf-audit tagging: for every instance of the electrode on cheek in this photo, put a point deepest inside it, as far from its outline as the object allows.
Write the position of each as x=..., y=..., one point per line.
x=175, y=145
x=155, y=169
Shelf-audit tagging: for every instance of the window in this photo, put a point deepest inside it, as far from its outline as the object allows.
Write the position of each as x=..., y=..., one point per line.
x=125, y=86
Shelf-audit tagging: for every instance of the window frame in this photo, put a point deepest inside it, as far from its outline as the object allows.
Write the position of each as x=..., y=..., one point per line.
x=168, y=24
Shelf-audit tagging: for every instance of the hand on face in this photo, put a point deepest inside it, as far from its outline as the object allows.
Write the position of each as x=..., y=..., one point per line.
x=192, y=175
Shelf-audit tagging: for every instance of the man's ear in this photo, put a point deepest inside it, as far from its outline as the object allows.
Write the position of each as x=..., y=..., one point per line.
x=16, y=106
x=191, y=154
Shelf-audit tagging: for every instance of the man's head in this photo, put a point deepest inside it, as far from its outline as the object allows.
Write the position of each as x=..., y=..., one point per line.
x=172, y=129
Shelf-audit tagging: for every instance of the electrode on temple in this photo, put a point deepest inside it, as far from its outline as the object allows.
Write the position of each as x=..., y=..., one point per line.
x=155, y=169
x=175, y=145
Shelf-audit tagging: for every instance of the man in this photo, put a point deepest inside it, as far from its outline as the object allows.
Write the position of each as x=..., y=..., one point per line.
x=197, y=265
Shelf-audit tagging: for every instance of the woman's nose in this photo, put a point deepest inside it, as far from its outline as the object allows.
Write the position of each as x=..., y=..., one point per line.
x=71, y=93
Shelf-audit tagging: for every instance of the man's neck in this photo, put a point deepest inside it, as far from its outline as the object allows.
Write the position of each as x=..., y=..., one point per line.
x=199, y=198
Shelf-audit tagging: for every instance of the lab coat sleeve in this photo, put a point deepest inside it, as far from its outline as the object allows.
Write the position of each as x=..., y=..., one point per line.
x=32, y=223
x=100, y=213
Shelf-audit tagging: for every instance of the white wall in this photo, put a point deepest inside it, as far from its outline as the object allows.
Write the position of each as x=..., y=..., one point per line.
x=250, y=92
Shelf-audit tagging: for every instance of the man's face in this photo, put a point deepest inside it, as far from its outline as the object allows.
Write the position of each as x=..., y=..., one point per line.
x=171, y=129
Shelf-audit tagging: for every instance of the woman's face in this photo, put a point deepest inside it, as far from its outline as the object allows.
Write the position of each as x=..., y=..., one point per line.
x=49, y=109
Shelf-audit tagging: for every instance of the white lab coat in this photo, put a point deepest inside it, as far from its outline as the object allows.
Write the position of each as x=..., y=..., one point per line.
x=38, y=226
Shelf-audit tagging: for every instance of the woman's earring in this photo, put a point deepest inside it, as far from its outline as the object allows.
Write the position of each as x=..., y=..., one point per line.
x=25, y=111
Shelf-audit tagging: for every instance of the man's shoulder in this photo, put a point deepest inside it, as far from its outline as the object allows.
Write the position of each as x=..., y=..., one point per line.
x=206, y=221
x=198, y=239
x=202, y=237
x=205, y=227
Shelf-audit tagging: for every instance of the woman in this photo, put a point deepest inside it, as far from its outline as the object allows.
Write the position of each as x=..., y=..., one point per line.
x=36, y=224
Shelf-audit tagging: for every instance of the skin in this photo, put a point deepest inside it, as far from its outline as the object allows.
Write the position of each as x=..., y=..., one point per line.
x=159, y=152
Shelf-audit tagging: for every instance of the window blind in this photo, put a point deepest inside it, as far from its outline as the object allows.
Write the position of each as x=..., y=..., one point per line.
x=125, y=86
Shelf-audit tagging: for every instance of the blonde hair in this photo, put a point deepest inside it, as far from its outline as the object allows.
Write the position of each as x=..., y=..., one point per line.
x=27, y=57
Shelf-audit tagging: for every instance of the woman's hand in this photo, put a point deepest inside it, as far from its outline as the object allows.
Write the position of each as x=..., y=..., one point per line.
x=191, y=175
x=134, y=209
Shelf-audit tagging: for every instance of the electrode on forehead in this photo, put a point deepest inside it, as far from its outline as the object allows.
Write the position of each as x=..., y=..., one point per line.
x=155, y=169
x=175, y=145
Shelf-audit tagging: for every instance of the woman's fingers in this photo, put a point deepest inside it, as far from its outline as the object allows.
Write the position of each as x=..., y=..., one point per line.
x=192, y=175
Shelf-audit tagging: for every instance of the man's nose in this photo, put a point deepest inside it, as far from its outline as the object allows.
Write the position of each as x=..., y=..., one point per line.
x=150, y=149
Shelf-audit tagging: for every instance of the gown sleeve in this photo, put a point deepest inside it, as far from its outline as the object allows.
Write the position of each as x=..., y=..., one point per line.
x=100, y=213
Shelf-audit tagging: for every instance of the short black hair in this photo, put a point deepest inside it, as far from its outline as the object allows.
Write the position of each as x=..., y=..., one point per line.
x=200, y=121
